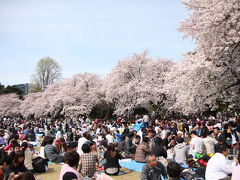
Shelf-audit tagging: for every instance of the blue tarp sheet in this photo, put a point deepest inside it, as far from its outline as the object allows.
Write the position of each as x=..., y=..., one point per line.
x=131, y=164
x=137, y=126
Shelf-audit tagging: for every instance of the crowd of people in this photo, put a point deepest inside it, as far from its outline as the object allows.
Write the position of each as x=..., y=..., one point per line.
x=197, y=148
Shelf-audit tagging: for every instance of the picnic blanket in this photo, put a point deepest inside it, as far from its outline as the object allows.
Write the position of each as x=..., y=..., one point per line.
x=34, y=143
x=39, y=134
x=138, y=125
x=131, y=164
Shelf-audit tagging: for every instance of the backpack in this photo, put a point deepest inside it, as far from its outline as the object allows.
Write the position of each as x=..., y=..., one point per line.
x=40, y=165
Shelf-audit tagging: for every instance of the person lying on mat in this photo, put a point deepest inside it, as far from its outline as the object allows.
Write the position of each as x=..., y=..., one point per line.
x=153, y=170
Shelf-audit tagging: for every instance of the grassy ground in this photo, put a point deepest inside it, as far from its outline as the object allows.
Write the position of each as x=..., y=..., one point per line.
x=54, y=171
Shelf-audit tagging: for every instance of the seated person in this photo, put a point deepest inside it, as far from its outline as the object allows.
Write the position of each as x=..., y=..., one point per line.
x=180, y=151
x=152, y=169
x=236, y=170
x=218, y=166
x=136, y=142
x=69, y=176
x=28, y=156
x=88, y=161
x=28, y=175
x=51, y=151
x=61, y=145
x=4, y=163
x=142, y=150
x=157, y=148
x=112, y=157
x=129, y=147
x=12, y=143
x=71, y=160
x=174, y=170
x=15, y=148
x=17, y=164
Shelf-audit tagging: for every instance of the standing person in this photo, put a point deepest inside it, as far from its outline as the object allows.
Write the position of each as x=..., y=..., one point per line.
x=28, y=156
x=82, y=141
x=196, y=144
x=112, y=157
x=146, y=120
x=71, y=160
x=218, y=166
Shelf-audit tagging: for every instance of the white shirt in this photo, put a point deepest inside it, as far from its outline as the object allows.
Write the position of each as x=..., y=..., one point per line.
x=218, y=167
x=28, y=159
x=163, y=134
x=146, y=118
x=197, y=144
x=209, y=143
x=110, y=138
x=58, y=135
x=81, y=141
x=42, y=153
x=157, y=129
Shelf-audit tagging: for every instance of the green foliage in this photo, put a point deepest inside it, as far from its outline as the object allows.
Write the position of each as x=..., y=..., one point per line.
x=10, y=89
x=102, y=110
x=48, y=71
x=140, y=111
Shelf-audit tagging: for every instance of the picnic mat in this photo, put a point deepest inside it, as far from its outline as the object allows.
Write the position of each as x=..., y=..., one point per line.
x=34, y=143
x=131, y=164
x=39, y=134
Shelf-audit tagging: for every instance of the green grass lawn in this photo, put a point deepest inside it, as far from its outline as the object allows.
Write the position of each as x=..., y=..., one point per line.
x=54, y=172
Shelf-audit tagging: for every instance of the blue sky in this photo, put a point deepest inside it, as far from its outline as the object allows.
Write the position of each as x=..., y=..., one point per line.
x=86, y=35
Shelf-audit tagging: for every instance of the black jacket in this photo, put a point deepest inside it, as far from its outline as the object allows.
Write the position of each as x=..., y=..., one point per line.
x=159, y=151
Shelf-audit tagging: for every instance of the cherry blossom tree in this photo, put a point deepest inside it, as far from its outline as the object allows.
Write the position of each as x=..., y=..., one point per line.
x=80, y=93
x=214, y=25
x=30, y=104
x=9, y=105
x=191, y=86
x=74, y=96
x=134, y=82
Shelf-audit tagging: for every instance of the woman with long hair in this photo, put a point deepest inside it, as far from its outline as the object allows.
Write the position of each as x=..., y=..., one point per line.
x=51, y=151
x=17, y=164
x=61, y=145
x=112, y=157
